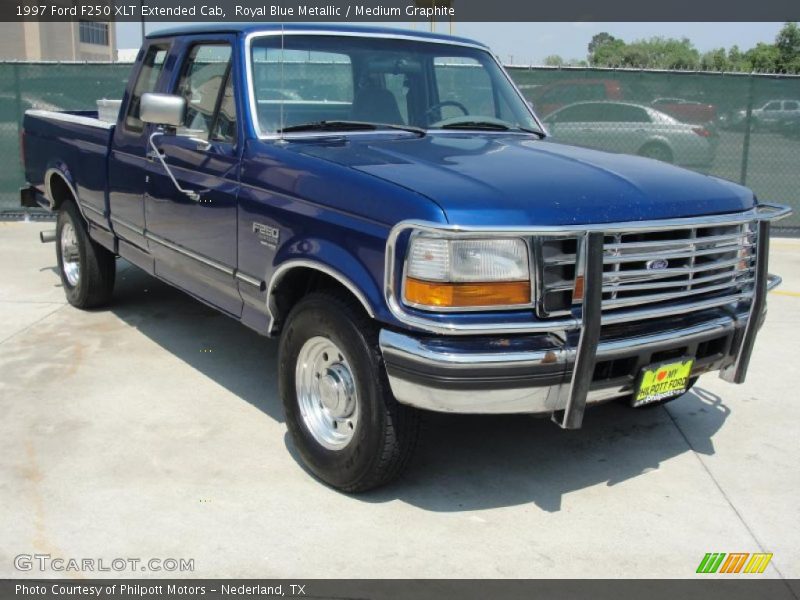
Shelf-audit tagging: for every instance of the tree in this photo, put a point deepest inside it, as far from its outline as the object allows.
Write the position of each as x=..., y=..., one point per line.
x=764, y=57
x=657, y=52
x=715, y=60
x=737, y=60
x=554, y=60
x=788, y=45
x=669, y=53
x=608, y=54
x=601, y=43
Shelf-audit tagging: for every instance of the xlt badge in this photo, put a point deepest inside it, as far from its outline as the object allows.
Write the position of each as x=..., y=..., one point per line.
x=269, y=236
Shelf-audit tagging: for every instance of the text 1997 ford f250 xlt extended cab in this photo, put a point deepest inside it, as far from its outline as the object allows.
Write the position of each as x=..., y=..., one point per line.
x=389, y=204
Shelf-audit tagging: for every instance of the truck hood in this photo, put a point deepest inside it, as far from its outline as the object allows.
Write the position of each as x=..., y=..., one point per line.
x=511, y=179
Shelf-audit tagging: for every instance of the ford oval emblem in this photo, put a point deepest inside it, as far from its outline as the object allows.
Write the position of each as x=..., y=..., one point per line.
x=656, y=264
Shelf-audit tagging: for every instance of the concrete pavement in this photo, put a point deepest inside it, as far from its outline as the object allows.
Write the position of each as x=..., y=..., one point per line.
x=153, y=429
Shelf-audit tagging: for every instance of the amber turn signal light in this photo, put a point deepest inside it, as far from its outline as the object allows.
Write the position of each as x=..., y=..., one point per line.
x=463, y=295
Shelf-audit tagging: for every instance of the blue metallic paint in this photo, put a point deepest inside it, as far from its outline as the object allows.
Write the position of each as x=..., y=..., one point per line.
x=335, y=198
x=212, y=171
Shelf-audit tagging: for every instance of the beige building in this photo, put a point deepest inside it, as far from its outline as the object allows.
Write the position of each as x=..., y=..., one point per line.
x=82, y=40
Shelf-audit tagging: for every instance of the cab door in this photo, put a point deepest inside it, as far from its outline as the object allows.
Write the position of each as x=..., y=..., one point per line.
x=127, y=165
x=193, y=237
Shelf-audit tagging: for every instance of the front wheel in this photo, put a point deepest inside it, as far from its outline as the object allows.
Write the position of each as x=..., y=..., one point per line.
x=87, y=269
x=341, y=414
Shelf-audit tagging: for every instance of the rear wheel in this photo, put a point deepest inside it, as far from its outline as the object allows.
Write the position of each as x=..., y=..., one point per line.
x=657, y=151
x=87, y=269
x=341, y=414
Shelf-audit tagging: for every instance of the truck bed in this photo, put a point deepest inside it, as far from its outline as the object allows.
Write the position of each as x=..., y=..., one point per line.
x=78, y=143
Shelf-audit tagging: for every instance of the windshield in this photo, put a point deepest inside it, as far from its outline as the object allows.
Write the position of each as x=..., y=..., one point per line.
x=315, y=79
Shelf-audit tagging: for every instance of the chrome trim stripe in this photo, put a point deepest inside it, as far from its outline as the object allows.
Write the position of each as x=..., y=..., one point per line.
x=181, y=250
x=189, y=254
x=762, y=212
x=251, y=280
x=251, y=98
x=68, y=118
x=129, y=226
x=97, y=211
x=318, y=266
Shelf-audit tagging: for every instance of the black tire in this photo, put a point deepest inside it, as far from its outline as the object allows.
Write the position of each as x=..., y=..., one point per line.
x=657, y=151
x=97, y=266
x=385, y=435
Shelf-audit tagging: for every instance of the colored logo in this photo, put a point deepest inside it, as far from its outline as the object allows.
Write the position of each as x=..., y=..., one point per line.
x=735, y=562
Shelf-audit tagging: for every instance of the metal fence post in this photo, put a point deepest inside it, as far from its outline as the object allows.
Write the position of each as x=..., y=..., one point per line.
x=748, y=118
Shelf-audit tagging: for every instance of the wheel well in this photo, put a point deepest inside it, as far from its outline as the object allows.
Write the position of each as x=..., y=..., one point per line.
x=59, y=190
x=299, y=282
x=656, y=144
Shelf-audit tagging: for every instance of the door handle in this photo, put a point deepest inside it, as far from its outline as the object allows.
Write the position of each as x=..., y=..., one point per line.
x=201, y=144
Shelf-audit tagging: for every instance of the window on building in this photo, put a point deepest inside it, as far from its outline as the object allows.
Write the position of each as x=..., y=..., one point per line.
x=92, y=32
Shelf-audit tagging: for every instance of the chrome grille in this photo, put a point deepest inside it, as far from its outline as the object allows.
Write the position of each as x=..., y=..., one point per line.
x=651, y=267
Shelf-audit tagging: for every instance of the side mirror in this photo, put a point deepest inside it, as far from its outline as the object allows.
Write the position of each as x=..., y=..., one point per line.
x=162, y=109
x=169, y=111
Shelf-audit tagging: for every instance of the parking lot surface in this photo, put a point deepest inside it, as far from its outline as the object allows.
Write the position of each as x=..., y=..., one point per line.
x=152, y=429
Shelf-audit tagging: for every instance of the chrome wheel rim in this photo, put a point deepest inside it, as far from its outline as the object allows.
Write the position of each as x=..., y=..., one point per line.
x=70, y=258
x=326, y=393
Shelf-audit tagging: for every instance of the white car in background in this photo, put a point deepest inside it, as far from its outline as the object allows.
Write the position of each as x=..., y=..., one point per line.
x=633, y=129
x=769, y=116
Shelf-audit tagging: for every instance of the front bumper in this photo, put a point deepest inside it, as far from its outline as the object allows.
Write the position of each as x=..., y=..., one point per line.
x=559, y=370
x=532, y=374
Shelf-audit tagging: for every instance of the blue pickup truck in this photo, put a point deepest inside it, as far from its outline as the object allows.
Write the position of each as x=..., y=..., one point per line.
x=389, y=205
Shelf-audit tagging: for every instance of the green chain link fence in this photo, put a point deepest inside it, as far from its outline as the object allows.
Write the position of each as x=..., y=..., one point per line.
x=742, y=127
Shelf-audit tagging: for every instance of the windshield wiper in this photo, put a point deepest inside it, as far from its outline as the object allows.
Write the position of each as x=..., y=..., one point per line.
x=349, y=126
x=489, y=126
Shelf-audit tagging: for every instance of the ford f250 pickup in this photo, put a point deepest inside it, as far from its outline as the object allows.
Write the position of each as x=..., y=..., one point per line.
x=389, y=205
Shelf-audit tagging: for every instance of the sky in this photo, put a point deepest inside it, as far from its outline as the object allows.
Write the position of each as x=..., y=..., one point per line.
x=530, y=43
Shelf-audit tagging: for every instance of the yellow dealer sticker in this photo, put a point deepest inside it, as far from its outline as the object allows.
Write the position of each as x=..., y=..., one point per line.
x=666, y=380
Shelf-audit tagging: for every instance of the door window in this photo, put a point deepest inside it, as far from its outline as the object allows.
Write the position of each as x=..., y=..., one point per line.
x=206, y=74
x=152, y=65
x=225, y=123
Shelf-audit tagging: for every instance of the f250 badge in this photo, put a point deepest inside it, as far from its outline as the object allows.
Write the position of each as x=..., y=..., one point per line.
x=269, y=236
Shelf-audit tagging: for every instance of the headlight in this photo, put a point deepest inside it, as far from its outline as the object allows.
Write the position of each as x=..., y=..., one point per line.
x=467, y=273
